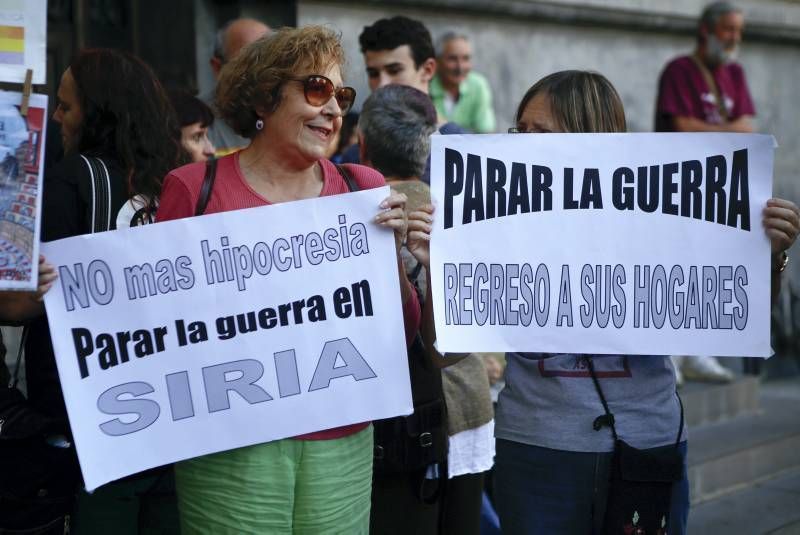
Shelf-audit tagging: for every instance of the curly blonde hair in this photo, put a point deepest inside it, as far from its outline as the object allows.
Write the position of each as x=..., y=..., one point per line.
x=254, y=78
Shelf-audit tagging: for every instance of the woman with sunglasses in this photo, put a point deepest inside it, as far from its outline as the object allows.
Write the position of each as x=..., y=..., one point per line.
x=285, y=93
x=552, y=466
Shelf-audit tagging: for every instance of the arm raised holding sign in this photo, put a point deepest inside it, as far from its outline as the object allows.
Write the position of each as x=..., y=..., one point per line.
x=420, y=224
x=563, y=413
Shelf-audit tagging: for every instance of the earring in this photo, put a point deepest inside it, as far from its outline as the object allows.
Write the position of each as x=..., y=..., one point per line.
x=259, y=124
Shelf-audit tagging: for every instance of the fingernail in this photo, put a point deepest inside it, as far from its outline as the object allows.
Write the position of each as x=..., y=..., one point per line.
x=384, y=204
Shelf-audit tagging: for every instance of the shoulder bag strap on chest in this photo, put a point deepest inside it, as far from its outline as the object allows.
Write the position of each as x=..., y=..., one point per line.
x=348, y=178
x=211, y=175
x=101, y=193
x=608, y=418
x=207, y=187
x=712, y=85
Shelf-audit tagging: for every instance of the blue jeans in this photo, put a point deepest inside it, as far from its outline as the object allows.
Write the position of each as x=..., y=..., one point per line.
x=539, y=490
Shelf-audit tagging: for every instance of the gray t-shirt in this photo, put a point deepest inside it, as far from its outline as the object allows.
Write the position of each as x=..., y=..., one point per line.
x=550, y=401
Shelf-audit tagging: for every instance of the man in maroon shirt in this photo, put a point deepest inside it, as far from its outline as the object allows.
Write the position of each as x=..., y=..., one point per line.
x=707, y=91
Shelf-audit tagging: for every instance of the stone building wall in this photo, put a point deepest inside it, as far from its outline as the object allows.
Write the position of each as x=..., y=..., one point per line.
x=517, y=42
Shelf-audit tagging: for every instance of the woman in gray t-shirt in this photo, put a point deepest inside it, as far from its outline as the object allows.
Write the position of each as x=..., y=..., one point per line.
x=552, y=467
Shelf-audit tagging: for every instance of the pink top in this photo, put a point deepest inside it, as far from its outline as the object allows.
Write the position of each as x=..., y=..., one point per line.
x=232, y=192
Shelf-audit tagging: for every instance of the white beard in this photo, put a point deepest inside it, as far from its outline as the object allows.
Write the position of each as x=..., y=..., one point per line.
x=716, y=52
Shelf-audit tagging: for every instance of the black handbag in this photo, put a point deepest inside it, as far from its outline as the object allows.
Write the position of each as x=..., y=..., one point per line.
x=414, y=442
x=38, y=465
x=641, y=481
x=411, y=444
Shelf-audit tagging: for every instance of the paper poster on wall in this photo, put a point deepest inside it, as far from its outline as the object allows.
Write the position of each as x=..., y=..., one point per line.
x=23, y=40
x=628, y=244
x=21, y=167
x=200, y=335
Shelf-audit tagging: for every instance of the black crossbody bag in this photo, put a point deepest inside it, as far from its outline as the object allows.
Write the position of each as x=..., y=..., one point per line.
x=641, y=481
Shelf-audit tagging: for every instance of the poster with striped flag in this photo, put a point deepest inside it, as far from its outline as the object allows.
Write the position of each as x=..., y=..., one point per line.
x=23, y=40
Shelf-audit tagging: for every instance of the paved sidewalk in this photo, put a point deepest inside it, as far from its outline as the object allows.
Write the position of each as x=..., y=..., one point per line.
x=767, y=507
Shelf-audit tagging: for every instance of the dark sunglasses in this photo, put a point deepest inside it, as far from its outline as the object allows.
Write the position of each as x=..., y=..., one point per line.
x=319, y=89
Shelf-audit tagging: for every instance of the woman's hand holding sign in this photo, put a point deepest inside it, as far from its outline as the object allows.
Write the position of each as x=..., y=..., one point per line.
x=21, y=306
x=420, y=224
x=393, y=216
x=47, y=276
x=782, y=223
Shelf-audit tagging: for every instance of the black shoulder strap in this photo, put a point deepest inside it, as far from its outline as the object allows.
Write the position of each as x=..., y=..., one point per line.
x=101, y=193
x=211, y=175
x=15, y=377
x=348, y=178
x=608, y=417
x=142, y=216
x=712, y=86
x=207, y=187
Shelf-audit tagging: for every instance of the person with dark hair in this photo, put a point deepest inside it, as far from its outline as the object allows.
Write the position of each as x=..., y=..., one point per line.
x=120, y=139
x=707, y=92
x=285, y=94
x=399, y=50
x=554, y=462
x=194, y=118
x=396, y=125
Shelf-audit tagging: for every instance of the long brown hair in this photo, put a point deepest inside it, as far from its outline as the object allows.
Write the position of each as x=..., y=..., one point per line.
x=581, y=101
x=128, y=117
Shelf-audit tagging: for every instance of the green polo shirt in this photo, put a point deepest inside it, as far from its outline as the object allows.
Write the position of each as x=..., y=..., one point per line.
x=473, y=110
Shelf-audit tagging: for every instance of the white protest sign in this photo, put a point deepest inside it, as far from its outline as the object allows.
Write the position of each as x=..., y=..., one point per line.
x=200, y=335
x=602, y=243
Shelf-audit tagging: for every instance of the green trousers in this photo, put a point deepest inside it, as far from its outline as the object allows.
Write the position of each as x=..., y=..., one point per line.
x=281, y=487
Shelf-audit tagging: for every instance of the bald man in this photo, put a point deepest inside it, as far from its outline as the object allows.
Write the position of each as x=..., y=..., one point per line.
x=230, y=39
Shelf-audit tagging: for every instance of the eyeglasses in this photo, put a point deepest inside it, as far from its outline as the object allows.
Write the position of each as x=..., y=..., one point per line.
x=319, y=89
